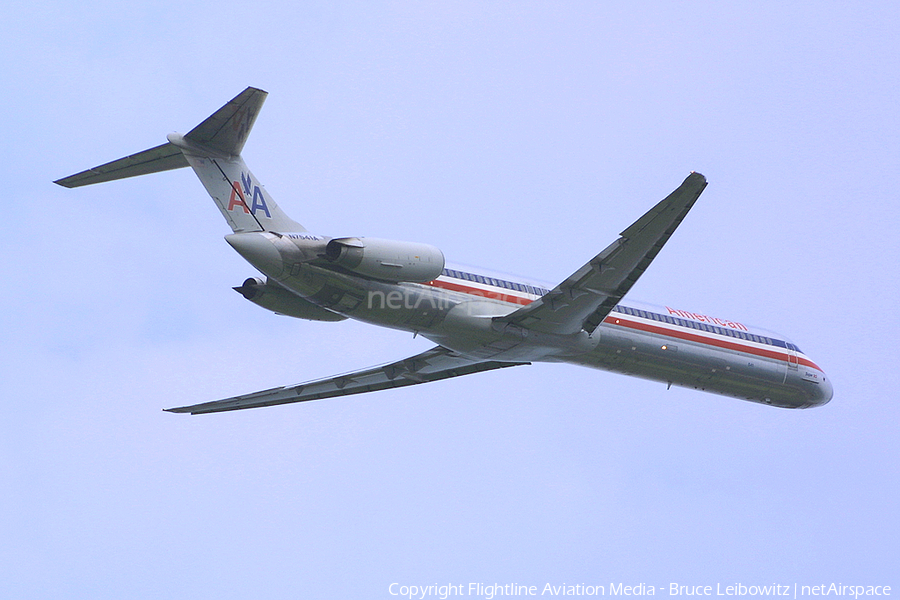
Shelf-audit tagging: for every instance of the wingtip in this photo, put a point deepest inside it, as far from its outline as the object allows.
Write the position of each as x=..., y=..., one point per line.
x=64, y=183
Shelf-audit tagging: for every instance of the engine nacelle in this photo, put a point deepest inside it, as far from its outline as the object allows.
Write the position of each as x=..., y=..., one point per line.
x=279, y=300
x=388, y=260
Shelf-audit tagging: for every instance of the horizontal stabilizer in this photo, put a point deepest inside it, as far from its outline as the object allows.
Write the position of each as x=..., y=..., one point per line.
x=432, y=365
x=213, y=150
x=154, y=160
x=227, y=129
x=223, y=133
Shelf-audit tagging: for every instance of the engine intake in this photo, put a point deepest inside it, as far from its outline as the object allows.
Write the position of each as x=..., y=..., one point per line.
x=388, y=260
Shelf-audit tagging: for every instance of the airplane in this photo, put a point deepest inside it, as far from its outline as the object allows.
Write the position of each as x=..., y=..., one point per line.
x=479, y=320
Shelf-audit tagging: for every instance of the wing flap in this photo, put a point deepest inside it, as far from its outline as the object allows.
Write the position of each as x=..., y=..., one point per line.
x=584, y=299
x=432, y=365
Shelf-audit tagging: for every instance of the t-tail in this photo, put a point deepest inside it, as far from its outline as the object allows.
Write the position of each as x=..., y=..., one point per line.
x=213, y=150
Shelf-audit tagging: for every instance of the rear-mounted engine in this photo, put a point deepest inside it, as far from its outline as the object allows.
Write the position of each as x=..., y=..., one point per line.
x=389, y=260
x=273, y=297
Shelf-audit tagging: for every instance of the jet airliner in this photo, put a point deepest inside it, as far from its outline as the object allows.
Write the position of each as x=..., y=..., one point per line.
x=479, y=321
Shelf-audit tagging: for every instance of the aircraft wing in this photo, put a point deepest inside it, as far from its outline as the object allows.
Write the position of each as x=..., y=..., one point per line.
x=432, y=365
x=584, y=299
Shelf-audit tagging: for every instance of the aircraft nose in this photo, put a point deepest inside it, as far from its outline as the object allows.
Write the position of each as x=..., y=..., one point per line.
x=820, y=392
x=259, y=251
x=826, y=392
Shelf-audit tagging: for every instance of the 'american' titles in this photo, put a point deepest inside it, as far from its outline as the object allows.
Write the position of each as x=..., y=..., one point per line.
x=707, y=319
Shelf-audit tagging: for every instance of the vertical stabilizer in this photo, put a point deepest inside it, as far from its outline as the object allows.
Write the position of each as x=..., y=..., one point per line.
x=241, y=199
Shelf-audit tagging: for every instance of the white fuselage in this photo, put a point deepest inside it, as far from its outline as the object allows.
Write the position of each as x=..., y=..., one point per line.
x=479, y=320
x=665, y=344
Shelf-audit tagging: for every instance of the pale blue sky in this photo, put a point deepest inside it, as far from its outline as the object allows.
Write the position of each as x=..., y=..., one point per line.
x=520, y=136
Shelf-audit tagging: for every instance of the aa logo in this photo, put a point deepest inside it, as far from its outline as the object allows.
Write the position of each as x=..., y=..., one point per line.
x=239, y=196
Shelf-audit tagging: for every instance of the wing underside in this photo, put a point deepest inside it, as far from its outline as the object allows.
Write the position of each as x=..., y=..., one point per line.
x=584, y=299
x=432, y=365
